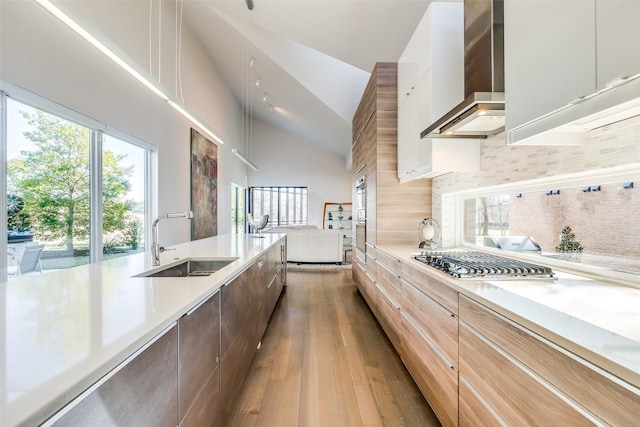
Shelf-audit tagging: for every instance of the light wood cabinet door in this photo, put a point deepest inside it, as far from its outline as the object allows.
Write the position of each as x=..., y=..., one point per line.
x=198, y=350
x=602, y=394
x=472, y=411
x=436, y=376
x=391, y=263
x=142, y=393
x=435, y=289
x=436, y=322
x=514, y=393
x=365, y=285
x=389, y=291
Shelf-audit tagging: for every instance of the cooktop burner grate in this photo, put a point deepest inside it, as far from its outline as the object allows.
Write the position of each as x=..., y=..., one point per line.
x=464, y=264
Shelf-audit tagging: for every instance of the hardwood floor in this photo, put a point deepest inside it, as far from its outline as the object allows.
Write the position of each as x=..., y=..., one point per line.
x=325, y=361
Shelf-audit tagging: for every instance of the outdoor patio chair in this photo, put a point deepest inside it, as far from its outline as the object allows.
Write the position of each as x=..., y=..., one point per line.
x=29, y=261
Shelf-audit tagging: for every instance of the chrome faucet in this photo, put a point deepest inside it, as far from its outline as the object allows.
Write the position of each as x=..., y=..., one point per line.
x=156, y=249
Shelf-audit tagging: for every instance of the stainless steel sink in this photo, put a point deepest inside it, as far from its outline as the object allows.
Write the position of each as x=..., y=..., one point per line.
x=189, y=268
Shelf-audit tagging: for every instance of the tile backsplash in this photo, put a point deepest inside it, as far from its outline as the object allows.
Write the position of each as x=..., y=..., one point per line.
x=501, y=163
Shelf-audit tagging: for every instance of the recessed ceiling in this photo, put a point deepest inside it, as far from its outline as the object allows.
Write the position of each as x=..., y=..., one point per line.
x=313, y=57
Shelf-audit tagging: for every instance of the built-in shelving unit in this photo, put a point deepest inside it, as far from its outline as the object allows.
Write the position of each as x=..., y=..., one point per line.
x=338, y=216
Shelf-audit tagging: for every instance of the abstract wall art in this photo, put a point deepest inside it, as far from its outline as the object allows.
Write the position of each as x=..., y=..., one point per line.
x=204, y=186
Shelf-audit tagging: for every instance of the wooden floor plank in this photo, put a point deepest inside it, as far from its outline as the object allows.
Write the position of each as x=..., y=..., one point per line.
x=325, y=361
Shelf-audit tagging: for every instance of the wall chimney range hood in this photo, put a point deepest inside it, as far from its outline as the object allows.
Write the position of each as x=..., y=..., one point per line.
x=482, y=111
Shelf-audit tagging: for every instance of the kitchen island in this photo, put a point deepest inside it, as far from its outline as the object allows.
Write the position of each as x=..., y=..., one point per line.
x=65, y=332
x=515, y=352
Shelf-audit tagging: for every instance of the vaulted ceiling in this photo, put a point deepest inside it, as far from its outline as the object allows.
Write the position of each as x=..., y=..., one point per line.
x=313, y=57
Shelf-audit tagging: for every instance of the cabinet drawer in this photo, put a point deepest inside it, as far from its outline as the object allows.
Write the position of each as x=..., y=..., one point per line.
x=389, y=262
x=603, y=395
x=205, y=410
x=198, y=349
x=436, y=322
x=436, y=378
x=515, y=394
x=140, y=392
x=440, y=292
x=371, y=266
x=365, y=285
x=389, y=282
x=388, y=316
x=473, y=412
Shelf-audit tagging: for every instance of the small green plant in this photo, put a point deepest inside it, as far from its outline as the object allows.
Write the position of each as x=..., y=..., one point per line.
x=132, y=232
x=568, y=242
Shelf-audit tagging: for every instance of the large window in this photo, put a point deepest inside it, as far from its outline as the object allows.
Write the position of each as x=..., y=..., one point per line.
x=582, y=223
x=72, y=190
x=123, y=197
x=284, y=205
x=237, y=209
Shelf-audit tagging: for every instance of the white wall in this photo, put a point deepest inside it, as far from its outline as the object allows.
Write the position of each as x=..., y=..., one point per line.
x=42, y=55
x=284, y=159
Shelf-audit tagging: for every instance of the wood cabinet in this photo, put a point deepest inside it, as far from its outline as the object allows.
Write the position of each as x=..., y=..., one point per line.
x=365, y=284
x=247, y=303
x=514, y=375
x=477, y=367
x=198, y=360
x=430, y=340
x=430, y=83
x=582, y=49
x=389, y=288
x=393, y=209
x=239, y=337
x=190, y=375
x=142, y=391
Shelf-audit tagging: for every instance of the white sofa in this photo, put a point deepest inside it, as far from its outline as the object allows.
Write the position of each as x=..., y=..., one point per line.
x=310, y=244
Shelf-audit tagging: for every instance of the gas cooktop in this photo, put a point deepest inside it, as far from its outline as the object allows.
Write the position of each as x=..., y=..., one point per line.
x=466, y=264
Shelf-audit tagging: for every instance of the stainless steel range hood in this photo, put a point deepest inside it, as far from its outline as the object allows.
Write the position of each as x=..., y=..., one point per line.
x=482, y=111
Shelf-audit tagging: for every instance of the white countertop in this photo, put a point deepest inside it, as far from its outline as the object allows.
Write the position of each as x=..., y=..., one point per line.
x=596, y=320
x=62, y=331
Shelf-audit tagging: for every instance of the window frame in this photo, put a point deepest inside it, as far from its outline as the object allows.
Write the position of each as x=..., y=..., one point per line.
x=97, y=130
x=282, y=193
x=630, y=172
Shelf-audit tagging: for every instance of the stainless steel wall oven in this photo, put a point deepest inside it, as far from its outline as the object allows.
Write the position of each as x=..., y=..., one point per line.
x=361, y=214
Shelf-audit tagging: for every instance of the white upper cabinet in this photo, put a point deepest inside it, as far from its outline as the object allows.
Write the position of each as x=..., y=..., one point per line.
x=562, y=59
x=618, y=30
x=550, y=56
x=430, y=83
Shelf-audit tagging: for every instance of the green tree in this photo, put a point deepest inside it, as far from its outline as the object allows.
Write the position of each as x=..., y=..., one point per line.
x=53, y=180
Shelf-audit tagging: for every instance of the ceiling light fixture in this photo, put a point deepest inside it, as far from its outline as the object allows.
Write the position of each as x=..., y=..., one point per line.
x=258, y=82
x=265, y=97
x=120, y=60
x=244, y=159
